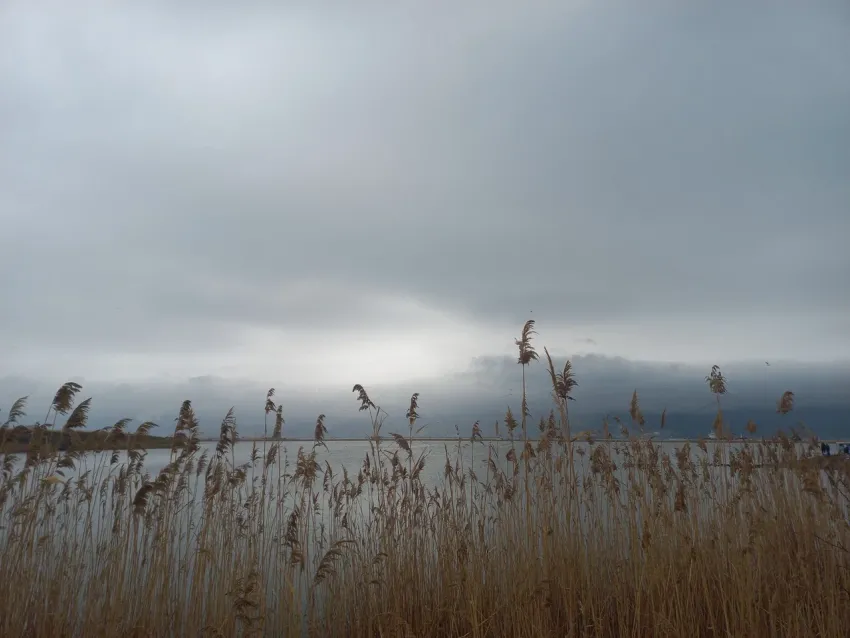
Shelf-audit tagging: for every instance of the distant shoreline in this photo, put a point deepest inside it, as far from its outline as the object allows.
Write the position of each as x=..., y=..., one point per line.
x=419, y=439
x=18, y=441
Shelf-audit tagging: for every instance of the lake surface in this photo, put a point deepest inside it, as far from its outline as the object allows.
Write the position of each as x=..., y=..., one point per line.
x=351, y=454
x=95, y=471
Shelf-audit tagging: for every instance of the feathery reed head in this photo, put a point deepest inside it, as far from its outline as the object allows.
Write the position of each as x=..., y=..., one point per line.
x=186, y=419
x=527, y=354
x=79, y=416
x=278, y=422
x=270, y=406
x=402, y=443
x=785, y=403
x=718, y=425
x=363, y=397
x=227, y=434
x=140, y=501
x=145, y=428
x=564, y=382
x=319, y=432
x=64, y=398
x=510, y=420
x=634, y=410
x=412, y=415
x=552, y=423
x=16, y=411
x=120, y=426
x=716, y=381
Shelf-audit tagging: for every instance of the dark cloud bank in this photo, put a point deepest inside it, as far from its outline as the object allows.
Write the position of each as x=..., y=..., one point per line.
x=486, y=390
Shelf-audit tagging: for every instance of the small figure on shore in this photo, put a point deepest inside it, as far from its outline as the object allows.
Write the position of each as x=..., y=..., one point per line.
x=824, y=449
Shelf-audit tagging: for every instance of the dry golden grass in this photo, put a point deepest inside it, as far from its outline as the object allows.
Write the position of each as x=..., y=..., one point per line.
x=549, y=537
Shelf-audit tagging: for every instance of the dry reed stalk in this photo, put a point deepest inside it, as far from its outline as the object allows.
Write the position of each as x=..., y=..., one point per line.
x=636, y=539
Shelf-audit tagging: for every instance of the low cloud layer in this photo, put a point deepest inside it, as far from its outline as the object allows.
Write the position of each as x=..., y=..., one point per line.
x=482, y=393
x=326, y=194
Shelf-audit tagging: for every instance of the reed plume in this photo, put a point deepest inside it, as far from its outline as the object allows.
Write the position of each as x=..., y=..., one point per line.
x=16, y=411
x=64, y=398
x=785, y=403
x=621, y=537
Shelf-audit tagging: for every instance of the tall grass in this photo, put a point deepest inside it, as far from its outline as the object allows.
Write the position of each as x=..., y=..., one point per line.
x=561, y=536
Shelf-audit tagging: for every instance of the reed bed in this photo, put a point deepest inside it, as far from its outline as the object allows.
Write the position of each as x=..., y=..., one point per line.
x=549, y=534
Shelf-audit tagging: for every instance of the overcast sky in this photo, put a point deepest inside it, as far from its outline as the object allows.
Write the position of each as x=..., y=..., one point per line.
x=310, y=196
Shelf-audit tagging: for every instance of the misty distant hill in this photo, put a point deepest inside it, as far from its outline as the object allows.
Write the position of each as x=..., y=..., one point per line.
x=482, y=393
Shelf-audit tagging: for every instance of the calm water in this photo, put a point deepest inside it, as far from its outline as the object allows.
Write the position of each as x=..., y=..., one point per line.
x=350, y=455
x=473, y=458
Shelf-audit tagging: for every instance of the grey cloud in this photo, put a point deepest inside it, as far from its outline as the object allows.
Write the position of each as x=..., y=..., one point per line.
x=165, y=180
